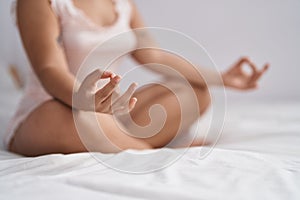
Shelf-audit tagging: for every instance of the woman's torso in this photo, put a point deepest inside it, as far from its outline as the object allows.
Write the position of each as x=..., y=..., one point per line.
x=86, y=45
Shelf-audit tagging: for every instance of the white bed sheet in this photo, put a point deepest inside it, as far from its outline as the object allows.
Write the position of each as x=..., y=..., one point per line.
x=257, y=157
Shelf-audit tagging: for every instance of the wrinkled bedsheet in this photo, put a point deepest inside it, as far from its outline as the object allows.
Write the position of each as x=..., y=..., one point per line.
x=257, y=157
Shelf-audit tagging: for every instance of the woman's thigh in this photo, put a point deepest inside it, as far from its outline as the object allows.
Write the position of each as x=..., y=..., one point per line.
x=51, y=129
x=43, y=131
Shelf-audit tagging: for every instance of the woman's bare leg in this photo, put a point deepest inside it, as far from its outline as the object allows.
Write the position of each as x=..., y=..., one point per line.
x=157, y=94
x=51, y=128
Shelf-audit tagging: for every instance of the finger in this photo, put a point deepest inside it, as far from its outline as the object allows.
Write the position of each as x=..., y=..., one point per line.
x=252, y=66
x=98, y=74
x=259, y=74
x=126, y=96
x=108, y=89
x=238, y=66
x=106, y=105
x=246, y=60
x=107, y=74
x=126, y=109
x=91, y=79
x=132, y=103
x=266, y=67
x=114, y=95
x=103, y=107
x=241, y=61
x=256, y=77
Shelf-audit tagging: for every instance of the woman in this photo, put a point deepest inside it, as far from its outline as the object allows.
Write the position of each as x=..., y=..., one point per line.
x=54, y=34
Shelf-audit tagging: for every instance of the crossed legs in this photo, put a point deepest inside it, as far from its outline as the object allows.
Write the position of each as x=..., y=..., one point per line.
x=51, y=128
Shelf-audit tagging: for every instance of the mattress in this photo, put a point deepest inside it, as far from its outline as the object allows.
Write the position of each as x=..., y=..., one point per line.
x=256, y=157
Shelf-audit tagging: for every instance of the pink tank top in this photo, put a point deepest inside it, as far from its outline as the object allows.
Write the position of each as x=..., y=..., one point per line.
x=79, y=35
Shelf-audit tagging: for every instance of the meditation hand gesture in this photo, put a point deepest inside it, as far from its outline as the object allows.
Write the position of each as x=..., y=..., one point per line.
x=104, y=100
x=237, y=78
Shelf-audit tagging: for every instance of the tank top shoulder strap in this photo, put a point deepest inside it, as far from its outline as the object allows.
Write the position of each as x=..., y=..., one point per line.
x=124, y=9
x=62, y=8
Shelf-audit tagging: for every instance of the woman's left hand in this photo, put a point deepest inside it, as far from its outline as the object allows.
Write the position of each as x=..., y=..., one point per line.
x=237, y=78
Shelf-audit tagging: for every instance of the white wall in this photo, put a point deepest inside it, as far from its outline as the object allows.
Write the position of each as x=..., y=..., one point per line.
x=265, y=30
x=6, y=31
x=11, y=50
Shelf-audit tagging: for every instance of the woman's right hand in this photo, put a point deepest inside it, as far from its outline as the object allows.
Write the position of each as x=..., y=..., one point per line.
x=105, y=100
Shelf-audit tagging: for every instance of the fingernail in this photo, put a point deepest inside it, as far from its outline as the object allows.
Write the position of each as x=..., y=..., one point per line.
x=113, y=74
x=117, y=79
x=107, y=73
x=134, y=85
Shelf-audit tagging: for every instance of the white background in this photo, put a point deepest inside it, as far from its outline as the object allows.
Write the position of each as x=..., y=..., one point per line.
x=264, y=30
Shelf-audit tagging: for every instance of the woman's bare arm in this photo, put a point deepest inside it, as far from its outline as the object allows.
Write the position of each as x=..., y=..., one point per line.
x=234, y=77
x=39, y=29
x=144, y=56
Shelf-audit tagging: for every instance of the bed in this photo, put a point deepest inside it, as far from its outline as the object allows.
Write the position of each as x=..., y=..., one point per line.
x=257, y=157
